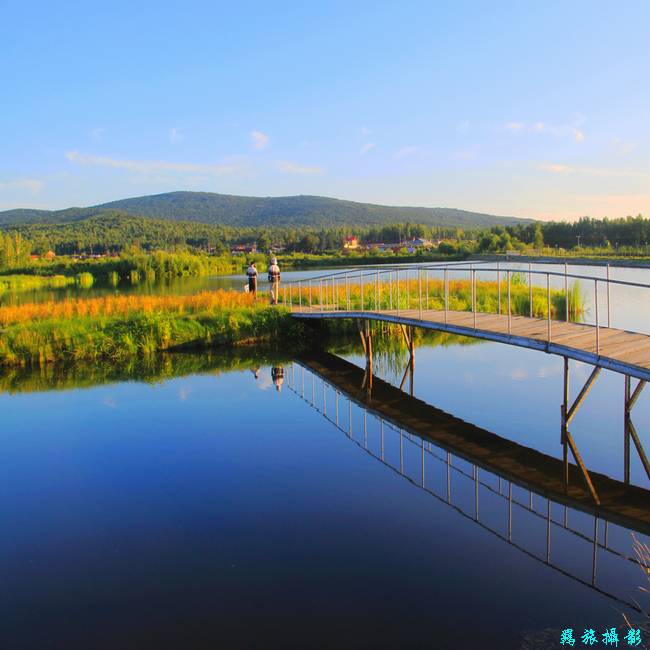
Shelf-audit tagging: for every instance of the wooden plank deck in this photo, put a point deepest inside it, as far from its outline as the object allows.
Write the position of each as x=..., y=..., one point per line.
x=618, y=350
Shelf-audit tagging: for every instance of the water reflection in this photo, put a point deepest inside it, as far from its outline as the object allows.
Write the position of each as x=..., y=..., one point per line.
x=191, y=504
x=525, y=506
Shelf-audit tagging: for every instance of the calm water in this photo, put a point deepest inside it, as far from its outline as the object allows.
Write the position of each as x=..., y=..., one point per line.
x=192, y=504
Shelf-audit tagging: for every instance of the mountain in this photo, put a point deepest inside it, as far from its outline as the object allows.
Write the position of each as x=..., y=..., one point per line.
x=230, y=210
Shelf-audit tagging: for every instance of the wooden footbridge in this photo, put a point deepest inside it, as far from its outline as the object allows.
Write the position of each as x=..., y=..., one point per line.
x=534, y=309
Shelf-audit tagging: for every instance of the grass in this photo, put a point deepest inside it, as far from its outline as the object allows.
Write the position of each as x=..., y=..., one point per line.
x=16, y=283
x=118, y=327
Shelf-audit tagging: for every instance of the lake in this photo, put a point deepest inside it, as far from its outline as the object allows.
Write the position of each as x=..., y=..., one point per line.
x=216, y=501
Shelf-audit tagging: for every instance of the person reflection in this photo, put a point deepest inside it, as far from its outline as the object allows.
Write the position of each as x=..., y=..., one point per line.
x=277, y=375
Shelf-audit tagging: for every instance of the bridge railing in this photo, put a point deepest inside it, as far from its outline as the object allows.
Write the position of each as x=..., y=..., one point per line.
x=419, y=291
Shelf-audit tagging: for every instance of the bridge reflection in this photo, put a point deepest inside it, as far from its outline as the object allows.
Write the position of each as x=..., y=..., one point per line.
x=513, y=492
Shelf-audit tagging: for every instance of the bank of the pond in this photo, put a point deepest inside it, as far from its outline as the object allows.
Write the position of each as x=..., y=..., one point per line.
x=18, y=283
x=119, y=327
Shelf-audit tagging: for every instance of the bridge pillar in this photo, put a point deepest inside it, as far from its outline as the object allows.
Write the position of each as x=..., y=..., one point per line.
x=568, y=413
x=629, y=431
x=365, y=332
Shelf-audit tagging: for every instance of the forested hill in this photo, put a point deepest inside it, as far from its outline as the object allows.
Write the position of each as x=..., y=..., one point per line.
x=230, y=210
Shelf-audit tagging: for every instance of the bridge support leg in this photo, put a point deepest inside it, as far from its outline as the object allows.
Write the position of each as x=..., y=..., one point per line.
x=567, y=439
x=407, y=332
x=630, y=431
x=366, y=340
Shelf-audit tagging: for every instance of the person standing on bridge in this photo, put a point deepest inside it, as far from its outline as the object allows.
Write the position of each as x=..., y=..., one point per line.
x=274, y=281
x=252, y=279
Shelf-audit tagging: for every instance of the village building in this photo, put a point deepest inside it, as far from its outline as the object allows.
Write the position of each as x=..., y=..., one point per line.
x=351, y=242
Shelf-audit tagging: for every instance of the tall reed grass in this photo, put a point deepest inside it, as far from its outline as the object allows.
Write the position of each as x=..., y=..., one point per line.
x=116, y=327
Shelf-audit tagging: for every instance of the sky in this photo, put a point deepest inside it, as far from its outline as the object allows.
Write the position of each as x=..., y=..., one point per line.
x=512, y=108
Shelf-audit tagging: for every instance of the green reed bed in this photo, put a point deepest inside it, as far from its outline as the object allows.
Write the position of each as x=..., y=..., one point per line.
x=116, y=336
x=16, y=283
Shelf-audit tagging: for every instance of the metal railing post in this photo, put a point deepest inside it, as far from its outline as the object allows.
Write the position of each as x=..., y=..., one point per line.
x=566, y=293
x=426, y=290
x=390, y=290
x=361, y=288
x=397, y=290
x=509, y=309
x=320, y=288
x=499, y=287
x=408, y=291
x=446, y=293
x=309, y=294
x=300, y=294
x=473, y=272
x=530, y=288
x=420, y=293
x=347, y=291
x=597, y=324
x=377, y=291
x=608, y=315
x=548, y=305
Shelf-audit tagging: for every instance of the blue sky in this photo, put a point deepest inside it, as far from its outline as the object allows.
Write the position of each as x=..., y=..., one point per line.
x=518, y=108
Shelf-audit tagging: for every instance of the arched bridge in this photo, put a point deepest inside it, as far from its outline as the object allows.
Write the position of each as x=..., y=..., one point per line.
x=567, y=314
x=561, y=313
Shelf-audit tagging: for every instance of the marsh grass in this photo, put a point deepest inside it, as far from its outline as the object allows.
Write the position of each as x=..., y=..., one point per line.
x=118, y=327
x=17, y=283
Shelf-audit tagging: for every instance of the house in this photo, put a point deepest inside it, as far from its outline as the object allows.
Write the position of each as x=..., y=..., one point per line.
x=243, y=249
x=351, y=242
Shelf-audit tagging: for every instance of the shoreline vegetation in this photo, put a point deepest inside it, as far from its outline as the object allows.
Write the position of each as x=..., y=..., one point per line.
x=119, y=327
x=391, y=353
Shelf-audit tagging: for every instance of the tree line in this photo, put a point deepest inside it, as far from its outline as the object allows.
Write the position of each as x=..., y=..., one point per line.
x=118, y=233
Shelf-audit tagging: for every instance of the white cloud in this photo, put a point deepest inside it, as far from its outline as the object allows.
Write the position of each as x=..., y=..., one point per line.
x=97, y=134
x=515, y=127
x=295, y=168
x=406, y=152
x=260, y=140
x=562, y=130
x=150, y=166
x=623, y=148
x=365, y=131
x=176, y=135
x=556, y=168
x=369, y=146
x=32, y=185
